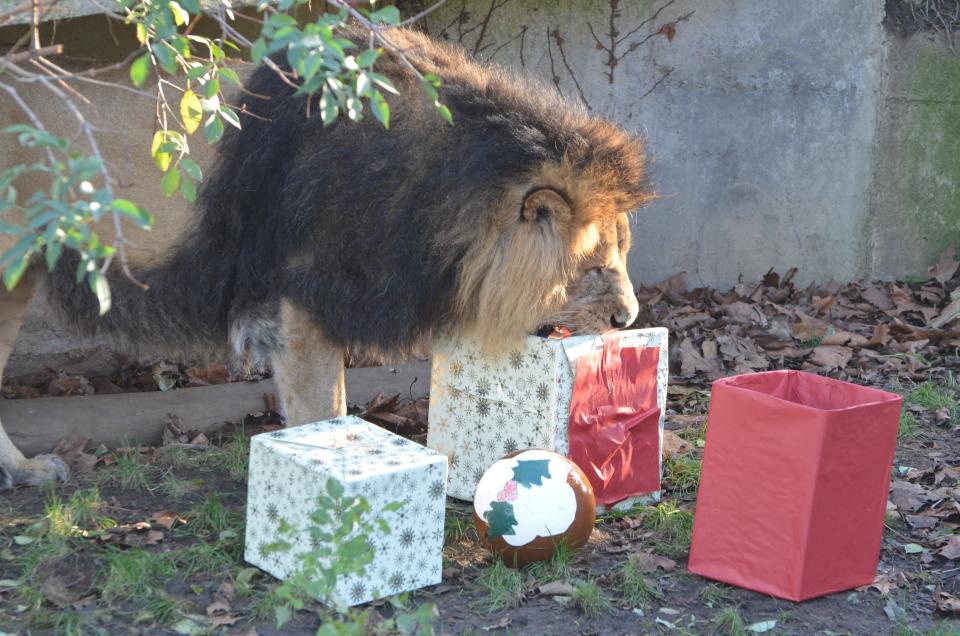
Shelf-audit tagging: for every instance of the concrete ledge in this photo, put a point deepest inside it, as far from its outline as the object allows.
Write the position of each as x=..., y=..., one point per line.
x=36, y=426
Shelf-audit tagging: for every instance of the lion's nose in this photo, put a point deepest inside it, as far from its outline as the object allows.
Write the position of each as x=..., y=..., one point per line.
x=617, y=322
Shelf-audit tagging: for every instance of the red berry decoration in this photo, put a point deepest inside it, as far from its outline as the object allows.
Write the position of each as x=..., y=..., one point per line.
x=531, y=502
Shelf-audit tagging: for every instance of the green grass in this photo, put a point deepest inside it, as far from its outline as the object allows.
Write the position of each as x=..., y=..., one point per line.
x=556, y=568
x=934, y=397
x=212, y=519
x=130, y=473
x=681, y=474
x=671, y=528
x=714, y=595
x=632, y=582
x=502, y=587
x=590, y=599
x=909, y=426
x=210, y=559
x=159, y=609
x=232, y=457
x=136, y=573
x=82, y=511
x=942, y=629
x=455, y=528
x=265, y=603
x=728, y=623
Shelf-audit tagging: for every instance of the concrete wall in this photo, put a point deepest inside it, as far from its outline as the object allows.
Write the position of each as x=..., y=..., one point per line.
x=760, y=114
x=784, y=133
x=915, y=212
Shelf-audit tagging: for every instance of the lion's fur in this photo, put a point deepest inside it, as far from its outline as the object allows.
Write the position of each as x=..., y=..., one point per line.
x=384, y=236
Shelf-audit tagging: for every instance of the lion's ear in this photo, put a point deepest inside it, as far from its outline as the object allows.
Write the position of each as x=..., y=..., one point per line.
x=545, y=204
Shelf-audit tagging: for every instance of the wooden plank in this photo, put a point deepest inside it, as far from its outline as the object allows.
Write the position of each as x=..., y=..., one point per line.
x=36, y=425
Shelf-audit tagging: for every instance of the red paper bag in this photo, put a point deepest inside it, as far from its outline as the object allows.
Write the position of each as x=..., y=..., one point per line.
x=793, y=490
x=615, y=421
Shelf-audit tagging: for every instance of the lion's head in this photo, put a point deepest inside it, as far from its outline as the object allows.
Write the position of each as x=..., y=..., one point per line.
x=556, y=249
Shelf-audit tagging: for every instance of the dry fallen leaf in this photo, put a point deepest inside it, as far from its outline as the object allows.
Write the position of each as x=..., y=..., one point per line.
x=673, y=444
x=557, y=588
x=72, y=452
x=165, y=518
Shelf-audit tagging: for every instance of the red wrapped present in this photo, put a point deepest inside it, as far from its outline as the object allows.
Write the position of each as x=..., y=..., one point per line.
x=794, y=485
x=615, y=420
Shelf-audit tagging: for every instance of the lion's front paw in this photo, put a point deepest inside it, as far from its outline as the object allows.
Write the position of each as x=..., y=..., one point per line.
x=41, y=469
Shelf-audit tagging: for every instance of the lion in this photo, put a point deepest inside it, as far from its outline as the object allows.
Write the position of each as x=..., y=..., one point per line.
x=310, y=241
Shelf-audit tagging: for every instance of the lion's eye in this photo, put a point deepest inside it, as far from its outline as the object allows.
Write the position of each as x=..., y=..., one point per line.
x=597, y=270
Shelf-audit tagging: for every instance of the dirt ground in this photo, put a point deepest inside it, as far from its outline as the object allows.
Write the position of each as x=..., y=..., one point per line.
x=150, y=540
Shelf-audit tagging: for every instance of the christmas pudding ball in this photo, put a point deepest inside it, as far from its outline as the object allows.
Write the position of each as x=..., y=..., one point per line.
x=531, y=502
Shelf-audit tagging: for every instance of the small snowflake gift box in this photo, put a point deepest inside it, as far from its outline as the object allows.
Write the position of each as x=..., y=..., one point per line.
x=289, y=471
x=596, y=399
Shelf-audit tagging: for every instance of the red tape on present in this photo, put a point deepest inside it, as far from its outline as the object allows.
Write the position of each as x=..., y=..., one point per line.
x=615, y=420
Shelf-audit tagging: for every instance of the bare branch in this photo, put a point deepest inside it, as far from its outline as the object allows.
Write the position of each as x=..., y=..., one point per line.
x=16, y=58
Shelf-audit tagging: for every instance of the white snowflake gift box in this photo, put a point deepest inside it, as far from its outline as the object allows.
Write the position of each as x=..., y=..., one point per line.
x=597, y=399
x=289, y=470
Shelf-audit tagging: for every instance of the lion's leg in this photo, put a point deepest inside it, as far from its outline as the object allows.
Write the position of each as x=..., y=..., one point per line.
x=14, y=467
x=308, y=370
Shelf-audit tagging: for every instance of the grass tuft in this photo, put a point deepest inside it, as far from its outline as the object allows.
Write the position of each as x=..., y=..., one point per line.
x=728, y=623
x=136, y=573
x=556, y=568
x=909, y=426
x=681, y=474
x=714, y=595
x=590, y=599
x=632, y=583
x=502, y=586
x=672, y=528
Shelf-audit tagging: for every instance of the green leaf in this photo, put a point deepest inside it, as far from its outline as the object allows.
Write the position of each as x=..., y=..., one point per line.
x=22, y=539
x=445, y=113
x=191, y=168
x=52, y=253
x=913, y=548
x=102, y=289
x=139, y=69
x=387, y=15
x=381, y=109
x=14, y=271
x=258, y=50
x=134, y=211
x=283, y=614
x=762, y=627
x=334, y=488
x=160, y=156
x=170, y=181
x=180, y=16
x=230, y=75
x=530, y=472
x=368, y=57
x=213, y=129
x=188, y=189
x=191, y=112
x=500, y=519
x=228, y=114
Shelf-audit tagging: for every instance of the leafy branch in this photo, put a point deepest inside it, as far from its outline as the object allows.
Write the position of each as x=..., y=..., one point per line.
x=191, y=71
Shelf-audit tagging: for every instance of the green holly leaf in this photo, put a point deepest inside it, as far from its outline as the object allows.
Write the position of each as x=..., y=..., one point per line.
x=500, y=519
x=529, y=473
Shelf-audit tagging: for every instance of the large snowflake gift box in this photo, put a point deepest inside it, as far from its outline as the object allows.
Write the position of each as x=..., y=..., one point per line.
x=597, y=399
x=403, y=482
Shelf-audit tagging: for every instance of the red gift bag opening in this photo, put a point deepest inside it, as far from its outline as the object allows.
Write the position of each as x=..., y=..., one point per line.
x=615, y=420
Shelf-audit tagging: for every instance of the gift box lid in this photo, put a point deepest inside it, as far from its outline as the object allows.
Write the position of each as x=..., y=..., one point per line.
x=350, y=448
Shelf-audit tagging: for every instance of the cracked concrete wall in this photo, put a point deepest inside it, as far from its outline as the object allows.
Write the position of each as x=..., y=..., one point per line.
x=760, y=115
